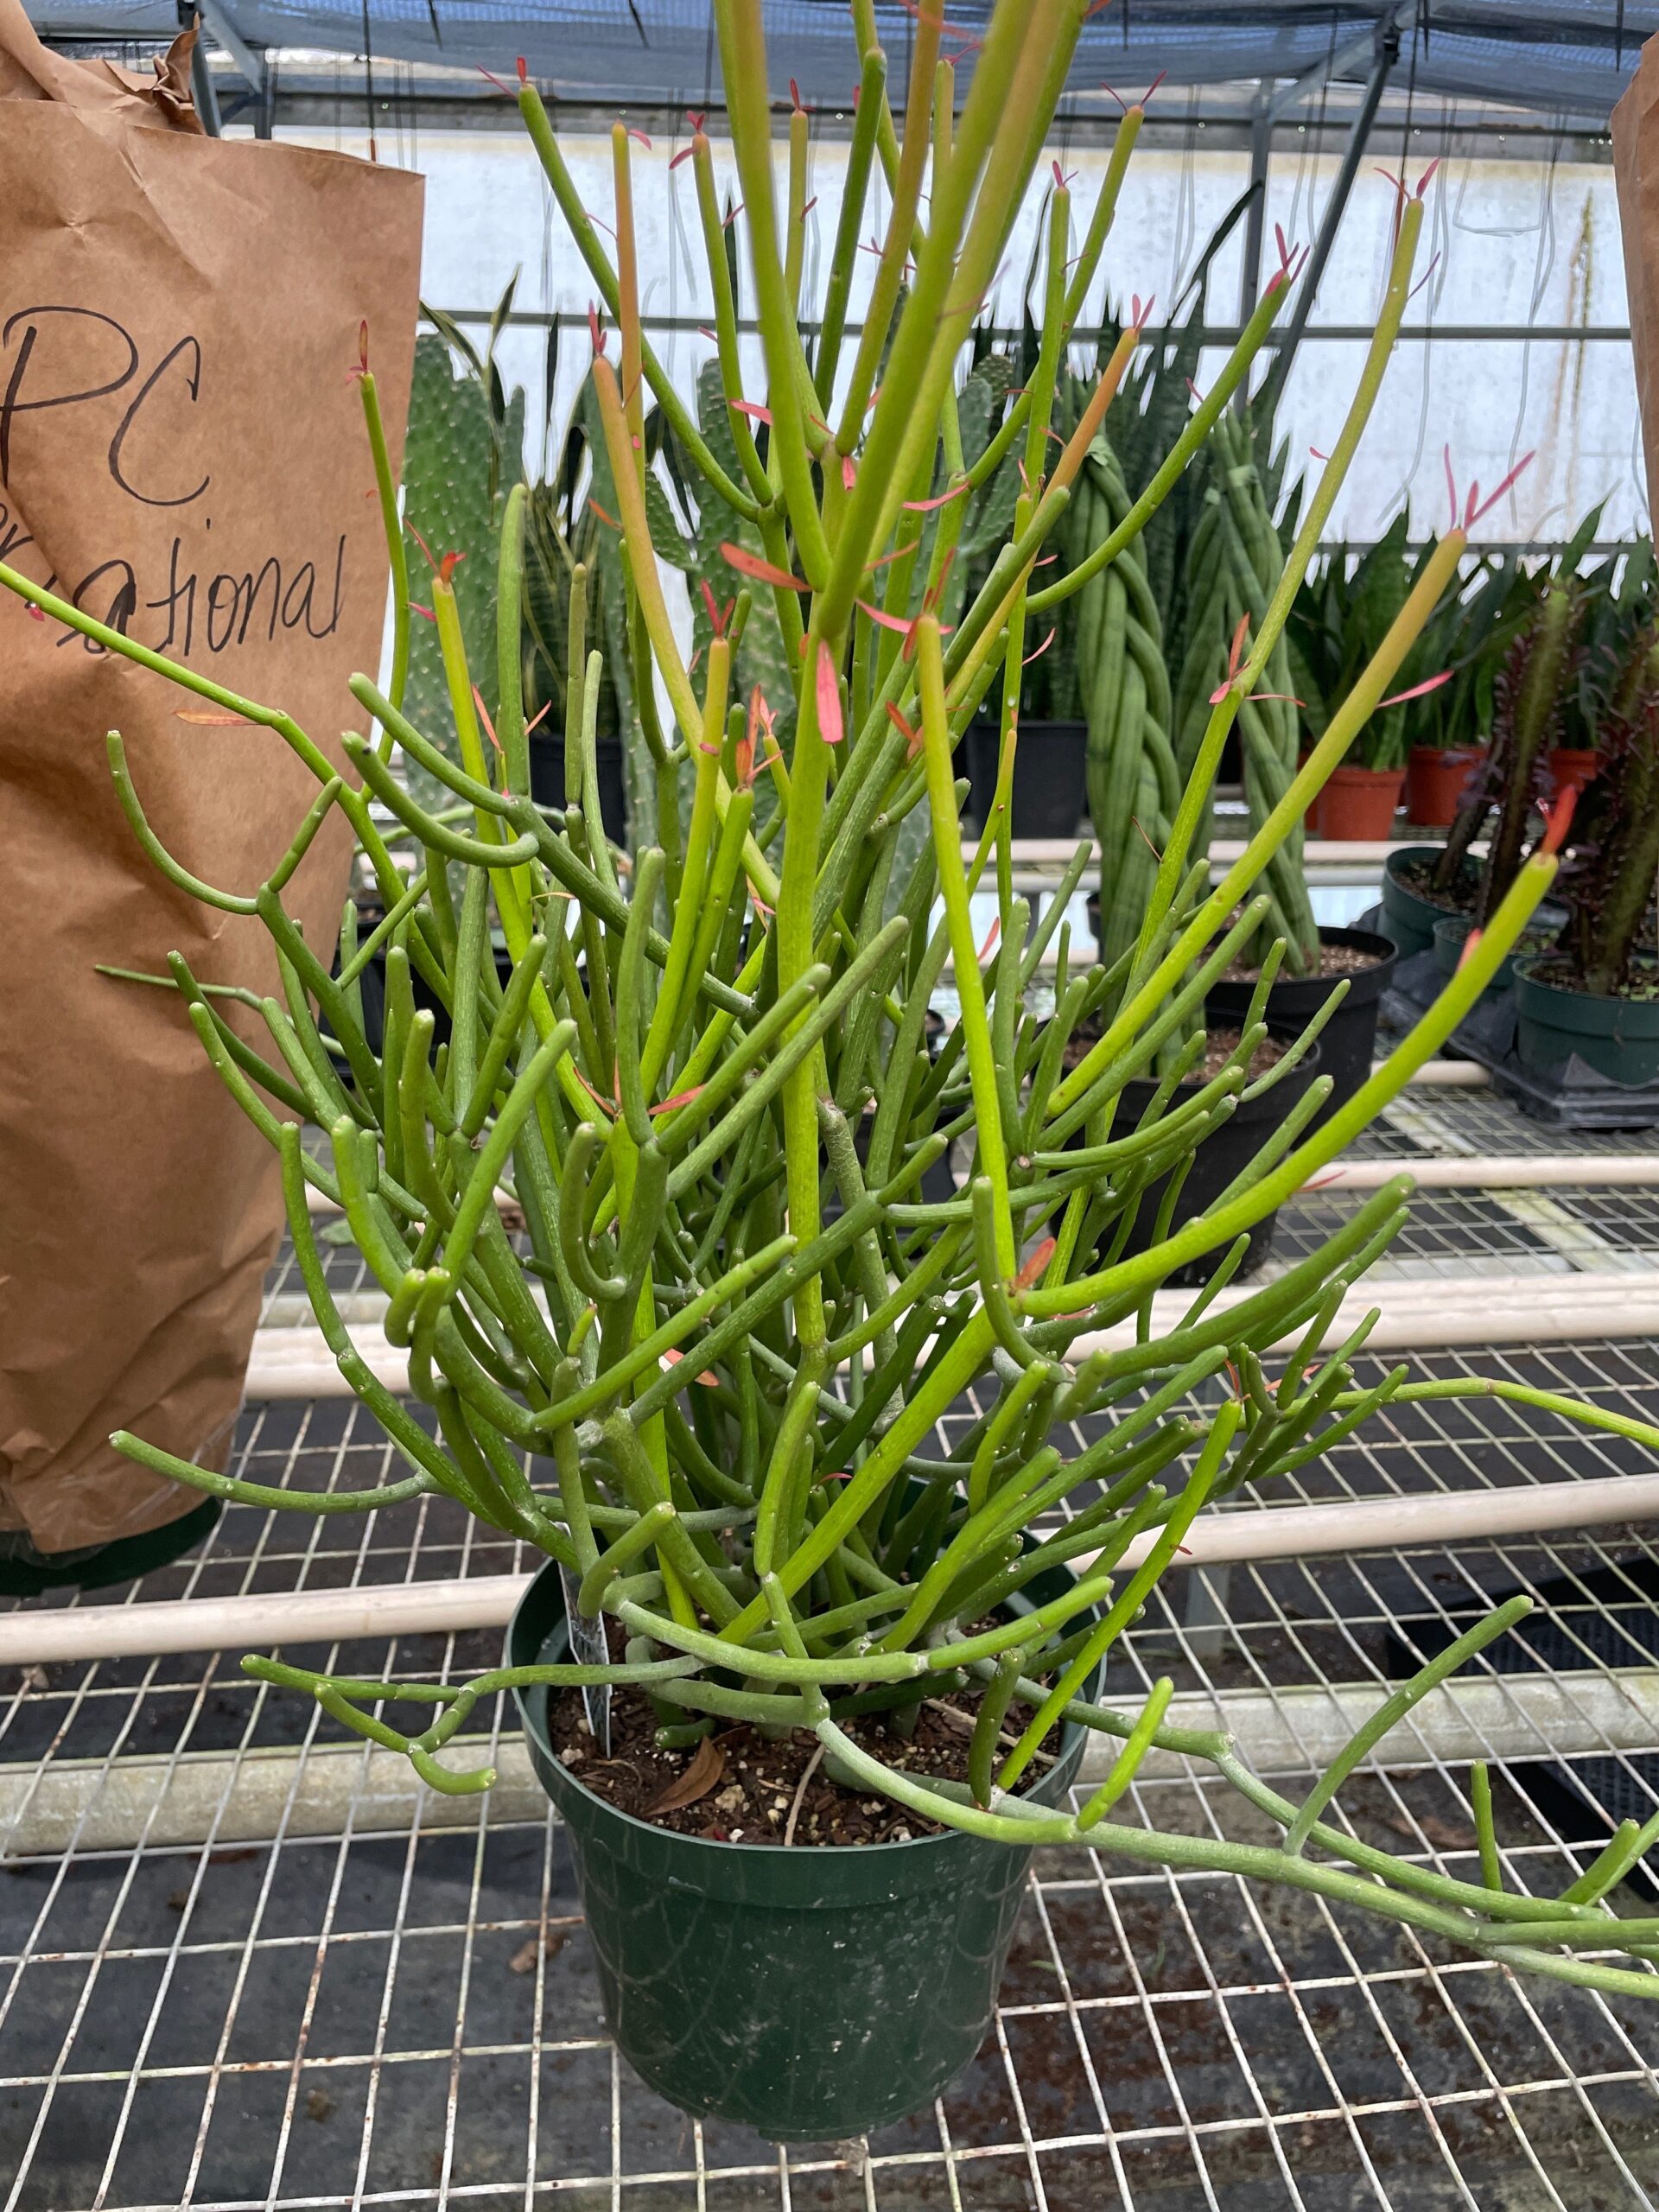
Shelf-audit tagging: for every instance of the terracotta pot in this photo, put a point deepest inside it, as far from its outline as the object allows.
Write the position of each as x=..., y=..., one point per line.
x=1311, y=818
x=1357, y=804
x=1436, y=777
x=1577, y=765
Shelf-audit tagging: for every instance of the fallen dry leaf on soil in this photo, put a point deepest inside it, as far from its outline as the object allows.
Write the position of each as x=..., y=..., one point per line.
x=704, y=1774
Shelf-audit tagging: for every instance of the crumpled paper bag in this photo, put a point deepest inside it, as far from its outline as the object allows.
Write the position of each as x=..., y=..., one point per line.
x=182, y=454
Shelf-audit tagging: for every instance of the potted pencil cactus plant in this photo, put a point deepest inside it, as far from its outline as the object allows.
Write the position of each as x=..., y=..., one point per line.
x=703, y=1382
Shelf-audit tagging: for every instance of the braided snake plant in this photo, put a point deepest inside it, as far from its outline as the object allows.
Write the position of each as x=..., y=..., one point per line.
x=706, y=1374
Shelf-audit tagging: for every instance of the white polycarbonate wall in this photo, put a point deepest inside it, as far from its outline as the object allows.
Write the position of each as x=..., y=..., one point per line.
x=1525, y=243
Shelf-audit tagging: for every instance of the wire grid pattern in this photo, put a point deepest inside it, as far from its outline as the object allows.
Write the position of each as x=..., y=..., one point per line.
x=1479, y=1120
x=1446, y=1233
x=412, y=2020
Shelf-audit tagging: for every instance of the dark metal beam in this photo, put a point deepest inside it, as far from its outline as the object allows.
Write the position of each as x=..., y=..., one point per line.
x=1307, y=289
x=1250, y=282
x=202, y=93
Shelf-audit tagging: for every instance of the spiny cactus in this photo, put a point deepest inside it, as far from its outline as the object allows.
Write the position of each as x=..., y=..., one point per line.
x=460, y=463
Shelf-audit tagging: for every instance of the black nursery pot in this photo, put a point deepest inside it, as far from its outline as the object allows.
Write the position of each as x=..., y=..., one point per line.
x=371, y=985
x=1050, y=790
x=812, y=1994
x=547, y=779
x=1348, y=1040
x=1225, y=1153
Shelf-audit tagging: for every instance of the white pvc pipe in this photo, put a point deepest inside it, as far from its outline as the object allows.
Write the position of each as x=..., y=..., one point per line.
x=1428, y=1315
x=1519, y=1171
x=95, y=1632
x=1436, y=1312
x=1317, y=852
x=1450, y=1075
x=250, y=1796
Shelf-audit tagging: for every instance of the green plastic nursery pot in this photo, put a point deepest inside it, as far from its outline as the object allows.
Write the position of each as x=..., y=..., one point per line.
x=812, y=1994
x=1407, y=917
x=1452, y=932
x=1618, y=1037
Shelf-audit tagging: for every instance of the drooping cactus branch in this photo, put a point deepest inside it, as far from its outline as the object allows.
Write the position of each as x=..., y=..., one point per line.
x=707, y=1372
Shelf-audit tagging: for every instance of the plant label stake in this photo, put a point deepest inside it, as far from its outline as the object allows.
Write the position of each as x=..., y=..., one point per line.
x=588, y=1648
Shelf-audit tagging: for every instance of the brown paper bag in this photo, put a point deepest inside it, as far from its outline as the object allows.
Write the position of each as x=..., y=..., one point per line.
x=1636, y=171
x=182, y=454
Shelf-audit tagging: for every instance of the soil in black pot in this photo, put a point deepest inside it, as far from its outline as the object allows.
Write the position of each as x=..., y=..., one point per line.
x=1220, y=1156
x=1557, y=971
x=741, y=1787
x=1418, y=877
x=738, y=1786
x=1348, y=1040
x=1219, y=1047
x=1334, y=960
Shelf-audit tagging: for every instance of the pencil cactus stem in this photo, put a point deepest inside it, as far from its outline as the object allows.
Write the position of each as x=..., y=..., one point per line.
x=1173, y=865
x=1105, y=210
x=1384, y=1085
x=1323, y=501
x=872, y=105
x=699, y=855
x=591, y=248
x=1199, y=426
x=385, y=483
x=743, y=59
x=636, y=532
x=797, y=951
x=1393, y=1710
x=627, y=294
x=725, y=333
x=944, y=115
x=797, y=243
x=1041, y=407
x=867, y=39
x=1128, y=1602
x=907, y=184
x=509, y=650
x=953, y=886
x=994, y=143
x=576, y=683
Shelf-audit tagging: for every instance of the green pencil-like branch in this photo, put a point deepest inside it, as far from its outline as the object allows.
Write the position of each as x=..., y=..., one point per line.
x=689, y=1231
